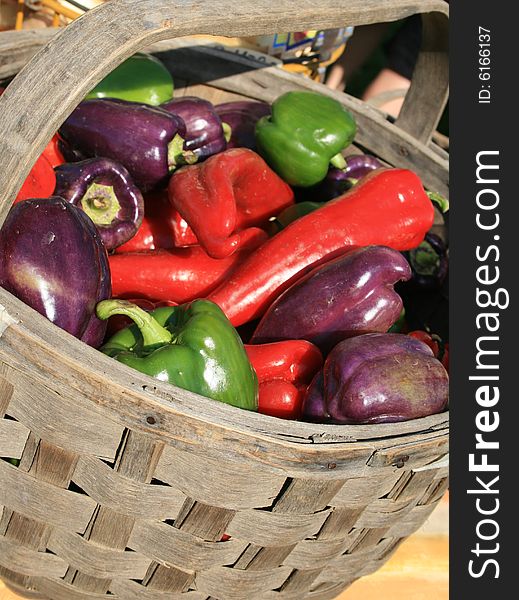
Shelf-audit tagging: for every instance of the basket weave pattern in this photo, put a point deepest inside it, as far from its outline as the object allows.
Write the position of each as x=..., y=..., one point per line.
x=120, y=512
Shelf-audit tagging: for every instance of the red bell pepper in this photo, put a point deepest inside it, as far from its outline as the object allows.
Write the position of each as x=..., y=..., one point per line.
x=388, y=207
x=226, y=198
x=40, y=182
x=178, y=275
x=284, y=370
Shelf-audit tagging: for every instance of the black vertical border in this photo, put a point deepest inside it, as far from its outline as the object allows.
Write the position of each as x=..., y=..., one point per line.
x=476, y=127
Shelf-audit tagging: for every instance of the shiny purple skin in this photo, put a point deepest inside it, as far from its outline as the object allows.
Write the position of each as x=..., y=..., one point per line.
x=347, y=296
x=204, y=132
x=73, y=181
x=338, y=181
x=135, y=135
x=242, y=116
x=380, y=378
x=313, y=407
x=53, y=259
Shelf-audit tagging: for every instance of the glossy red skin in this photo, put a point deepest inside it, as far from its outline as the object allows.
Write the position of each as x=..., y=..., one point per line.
x=388, y=207
x=293, y=360
x=280, y=398
x=284, y=370
x=179, y=275
x=347, y=296
x=39, y=183
x=53, y=259
x=227, y=197
x=53, y=153
x=379, y=378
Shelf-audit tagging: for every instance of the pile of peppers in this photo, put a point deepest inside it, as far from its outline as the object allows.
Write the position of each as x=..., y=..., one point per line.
x=245, y=251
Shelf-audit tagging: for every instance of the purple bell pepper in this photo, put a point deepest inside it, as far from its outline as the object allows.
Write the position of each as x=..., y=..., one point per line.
x=241, y=117
x=339, y=181
x=205, y=132
x=147, y=140
x=52, y=258
x=377, y=378
x=347, y=296
x=104, y=190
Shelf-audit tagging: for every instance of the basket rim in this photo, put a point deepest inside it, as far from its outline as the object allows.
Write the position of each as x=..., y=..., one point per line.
x=159, y=397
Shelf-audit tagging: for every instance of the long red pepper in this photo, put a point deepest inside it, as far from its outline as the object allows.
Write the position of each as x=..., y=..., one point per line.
x=389, y=207
x=178, y=275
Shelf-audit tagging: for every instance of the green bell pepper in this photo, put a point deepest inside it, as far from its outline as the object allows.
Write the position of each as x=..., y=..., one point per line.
x=193, y=346
x=304, y=134
x=140, y=78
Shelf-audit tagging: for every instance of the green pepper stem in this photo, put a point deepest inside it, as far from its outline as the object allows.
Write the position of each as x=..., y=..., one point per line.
x=152, y=333
x=227, y=131
x=338, y=161
x=441, y=202
x=177, y=155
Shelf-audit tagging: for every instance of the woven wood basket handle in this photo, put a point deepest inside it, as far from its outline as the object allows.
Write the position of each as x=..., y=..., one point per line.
x=51, y=85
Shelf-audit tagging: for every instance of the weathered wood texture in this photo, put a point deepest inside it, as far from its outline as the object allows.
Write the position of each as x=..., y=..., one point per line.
x=126, y=486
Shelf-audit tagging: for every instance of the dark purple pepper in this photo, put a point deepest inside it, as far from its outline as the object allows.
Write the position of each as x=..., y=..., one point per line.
x=380, y=378
x=313, y=407
x=242, y=116
x=104, y=190
x=205, y=133
x=339, y=181
x=429, y=263
x=347, y=296
x=53, y=259
x=147, y=140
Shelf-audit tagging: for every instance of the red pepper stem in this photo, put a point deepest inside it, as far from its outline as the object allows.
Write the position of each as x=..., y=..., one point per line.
x=152, y=333
x=338, y=161
x=227, y=131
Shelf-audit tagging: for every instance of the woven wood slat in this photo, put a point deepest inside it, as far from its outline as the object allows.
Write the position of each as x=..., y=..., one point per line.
x=167, y=544
x=96, y=560
x=203, y=520
x=109, y=488
x=339, y=523
x=273, y=529
x=410, y=484
x=328, y=591
x=413, y=454
x=57, y=589
x=384, y=513
x=131, y=590
x=307, y=496
x=13, y=437
x=360, y=491
x=30, y=562
x=435, y=491
x=234, y=584
x=43, y=501
x=6, y=390
x=184, y=469
x=137, y=459
x=412, y=521
x=169, y=578
x=84, y=430
x=300, y=581
x=257, y=558
x=310, y=554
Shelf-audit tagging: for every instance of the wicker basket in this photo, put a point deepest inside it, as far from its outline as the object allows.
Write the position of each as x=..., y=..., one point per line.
x=126, y=485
